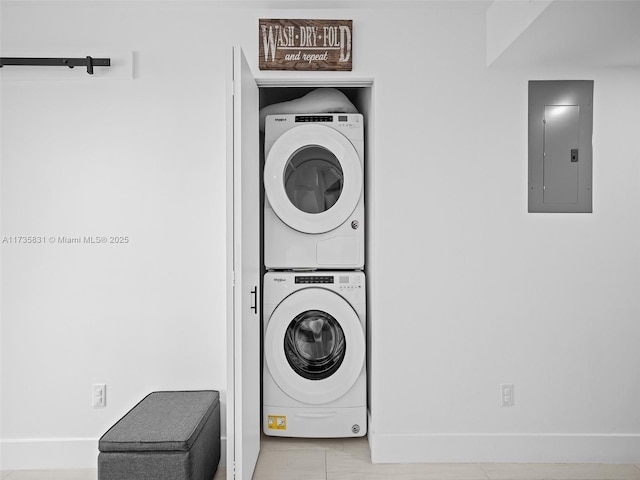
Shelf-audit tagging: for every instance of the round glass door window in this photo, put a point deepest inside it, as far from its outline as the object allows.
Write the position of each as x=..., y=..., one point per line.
x=314, y=345
x=313, y=179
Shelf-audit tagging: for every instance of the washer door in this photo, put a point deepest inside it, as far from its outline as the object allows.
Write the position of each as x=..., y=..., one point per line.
x=313, y=178
x=314, y=346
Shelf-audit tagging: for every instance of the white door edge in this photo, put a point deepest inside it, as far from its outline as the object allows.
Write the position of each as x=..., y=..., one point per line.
x=243, y=369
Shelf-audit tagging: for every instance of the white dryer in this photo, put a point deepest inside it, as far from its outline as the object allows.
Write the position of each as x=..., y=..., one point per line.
x=314, y=192
x=314, y=374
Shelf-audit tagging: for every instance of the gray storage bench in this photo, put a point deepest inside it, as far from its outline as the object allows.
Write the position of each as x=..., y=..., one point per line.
x=167, y=436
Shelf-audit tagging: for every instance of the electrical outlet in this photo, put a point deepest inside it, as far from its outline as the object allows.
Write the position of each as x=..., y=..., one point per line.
x=99, y=395
x=507, y=399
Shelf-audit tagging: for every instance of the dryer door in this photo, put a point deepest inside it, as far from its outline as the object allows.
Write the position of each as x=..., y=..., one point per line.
x=314, y=346
x=313, y=178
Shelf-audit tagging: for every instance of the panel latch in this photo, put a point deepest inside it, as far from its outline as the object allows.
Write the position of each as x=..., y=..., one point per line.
x=574, y=155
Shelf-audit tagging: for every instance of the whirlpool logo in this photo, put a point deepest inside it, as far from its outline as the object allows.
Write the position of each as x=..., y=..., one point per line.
x=279, y=279
x=277, y=119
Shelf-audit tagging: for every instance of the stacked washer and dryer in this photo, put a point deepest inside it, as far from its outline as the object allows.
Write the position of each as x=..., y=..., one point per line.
x=314, y=294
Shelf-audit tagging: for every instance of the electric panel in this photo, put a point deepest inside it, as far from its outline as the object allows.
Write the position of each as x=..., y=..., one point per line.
x=560, y=150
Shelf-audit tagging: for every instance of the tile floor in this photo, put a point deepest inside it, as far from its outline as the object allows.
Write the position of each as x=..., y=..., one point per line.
x=80, y=474
x=349, y=459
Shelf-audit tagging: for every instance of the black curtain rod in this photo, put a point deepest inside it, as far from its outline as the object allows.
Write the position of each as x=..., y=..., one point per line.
x=88, y=62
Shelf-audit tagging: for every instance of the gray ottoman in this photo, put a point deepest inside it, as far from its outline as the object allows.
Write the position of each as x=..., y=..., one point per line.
x=167, y=436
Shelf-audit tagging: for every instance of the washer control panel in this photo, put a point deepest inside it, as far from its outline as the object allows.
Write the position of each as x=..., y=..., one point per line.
x=314, y=279
x=343, y=283
x=349, y=283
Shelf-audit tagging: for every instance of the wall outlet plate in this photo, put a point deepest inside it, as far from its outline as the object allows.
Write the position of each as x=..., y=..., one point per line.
x=99, y=395
x=507, y=395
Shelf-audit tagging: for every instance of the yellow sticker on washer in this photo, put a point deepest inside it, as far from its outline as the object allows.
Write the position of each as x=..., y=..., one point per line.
x=277, y=422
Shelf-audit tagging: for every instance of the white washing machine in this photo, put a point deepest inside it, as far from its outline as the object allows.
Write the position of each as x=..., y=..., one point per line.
x=314, y=192
x=314, y=377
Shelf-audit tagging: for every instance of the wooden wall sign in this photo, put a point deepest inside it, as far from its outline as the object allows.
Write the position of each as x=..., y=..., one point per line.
x=305, y=44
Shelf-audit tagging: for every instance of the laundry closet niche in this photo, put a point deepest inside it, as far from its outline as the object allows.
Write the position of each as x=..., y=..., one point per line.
x=360, y=93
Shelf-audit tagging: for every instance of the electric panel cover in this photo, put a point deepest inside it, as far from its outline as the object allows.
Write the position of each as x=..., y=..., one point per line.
x=560, y=150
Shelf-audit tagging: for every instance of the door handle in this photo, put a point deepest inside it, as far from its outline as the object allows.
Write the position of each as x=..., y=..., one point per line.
x=254, y=293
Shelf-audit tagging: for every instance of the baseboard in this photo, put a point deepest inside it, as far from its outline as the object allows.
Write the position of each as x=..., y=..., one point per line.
x=504, y=448
x=52, y=453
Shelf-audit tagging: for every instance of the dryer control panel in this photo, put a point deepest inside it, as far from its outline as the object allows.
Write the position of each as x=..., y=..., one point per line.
x=349, y=124
x=346, y=120
x=314, y=118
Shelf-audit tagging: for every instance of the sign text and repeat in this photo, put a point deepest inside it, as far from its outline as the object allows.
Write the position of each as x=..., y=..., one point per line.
x=305, y=44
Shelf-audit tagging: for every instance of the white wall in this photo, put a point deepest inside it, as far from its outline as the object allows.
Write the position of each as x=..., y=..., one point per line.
x=143, y=157
x=469, y=292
